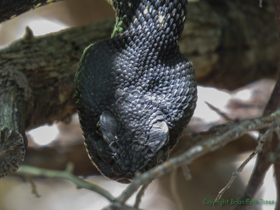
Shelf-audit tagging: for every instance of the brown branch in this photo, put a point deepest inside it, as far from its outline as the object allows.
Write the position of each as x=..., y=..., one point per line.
x=37, y=85
x=49, y=64
x=12, y=8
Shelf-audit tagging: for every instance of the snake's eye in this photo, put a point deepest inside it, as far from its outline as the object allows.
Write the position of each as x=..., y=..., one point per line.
x=108, y=126
x=158, y=135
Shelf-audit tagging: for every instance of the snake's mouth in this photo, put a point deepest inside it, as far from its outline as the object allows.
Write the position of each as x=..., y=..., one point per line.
x=125, y=178
x=109, y=164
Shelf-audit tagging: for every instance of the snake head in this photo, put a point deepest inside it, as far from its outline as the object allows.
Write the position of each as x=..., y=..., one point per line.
x=131, y=119
x=121, y=149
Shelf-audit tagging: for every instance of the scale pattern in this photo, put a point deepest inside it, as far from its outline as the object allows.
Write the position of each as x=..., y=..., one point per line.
x=136, y=92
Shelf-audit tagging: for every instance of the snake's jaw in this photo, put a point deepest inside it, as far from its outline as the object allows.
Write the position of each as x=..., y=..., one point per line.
x=116, y=161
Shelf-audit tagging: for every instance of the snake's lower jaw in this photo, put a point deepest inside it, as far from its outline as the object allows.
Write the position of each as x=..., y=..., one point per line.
x=113, y=170
x=125, y=179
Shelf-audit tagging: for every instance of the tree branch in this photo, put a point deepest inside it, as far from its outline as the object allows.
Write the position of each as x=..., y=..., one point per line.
x=267, y=135
x=14, y=97
x=67, y=174
x=37, y=85
x=49, y=64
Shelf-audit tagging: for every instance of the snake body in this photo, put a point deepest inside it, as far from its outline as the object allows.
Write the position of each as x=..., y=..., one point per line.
x=135, y=92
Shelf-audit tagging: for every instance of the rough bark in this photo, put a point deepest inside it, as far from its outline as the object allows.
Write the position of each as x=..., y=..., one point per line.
x=49, y=64
x=230, y=44
x=14, y=97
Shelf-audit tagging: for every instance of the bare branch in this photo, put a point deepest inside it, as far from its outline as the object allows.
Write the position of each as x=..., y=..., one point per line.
x=65, y=175
x=219, y=112
x=140, y=194
x=33, y=186
x=263, y=138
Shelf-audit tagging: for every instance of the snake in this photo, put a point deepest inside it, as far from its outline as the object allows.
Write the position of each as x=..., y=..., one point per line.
x=135, y=91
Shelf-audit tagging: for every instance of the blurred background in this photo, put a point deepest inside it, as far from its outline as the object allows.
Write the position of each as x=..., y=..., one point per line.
x=53, y=146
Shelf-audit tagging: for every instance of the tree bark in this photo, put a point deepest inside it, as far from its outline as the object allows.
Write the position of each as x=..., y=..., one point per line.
x=14, y=94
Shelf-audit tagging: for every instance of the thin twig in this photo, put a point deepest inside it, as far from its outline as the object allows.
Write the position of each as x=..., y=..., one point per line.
x=262, y=139
x=33, y=186
x=234, y=175
x=219, y=112
x=140, y=195
x=65, y=175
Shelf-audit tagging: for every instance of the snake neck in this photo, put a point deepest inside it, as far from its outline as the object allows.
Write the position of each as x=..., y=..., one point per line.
x=151, y=28
x=146, y=17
